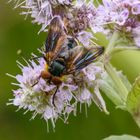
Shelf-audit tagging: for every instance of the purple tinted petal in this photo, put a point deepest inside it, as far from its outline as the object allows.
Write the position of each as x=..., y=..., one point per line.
x=136, y=9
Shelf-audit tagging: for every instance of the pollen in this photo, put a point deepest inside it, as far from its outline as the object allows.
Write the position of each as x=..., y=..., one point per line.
x=46, y=66
x=63, y=78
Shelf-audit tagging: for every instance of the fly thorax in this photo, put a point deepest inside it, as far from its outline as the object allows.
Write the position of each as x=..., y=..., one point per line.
x=56, y=68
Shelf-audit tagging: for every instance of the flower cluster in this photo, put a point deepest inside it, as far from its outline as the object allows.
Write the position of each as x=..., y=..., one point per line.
x=122, y=15
x=77, y=15
x=42, y=11
x=37, y=95
x=80, y=15
x=81, y=20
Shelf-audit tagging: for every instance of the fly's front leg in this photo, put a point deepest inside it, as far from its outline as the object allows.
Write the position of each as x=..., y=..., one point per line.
x=36, y=81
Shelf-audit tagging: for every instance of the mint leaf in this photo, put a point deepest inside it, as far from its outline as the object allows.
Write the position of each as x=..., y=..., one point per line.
x=133, y=101
x=123, y=137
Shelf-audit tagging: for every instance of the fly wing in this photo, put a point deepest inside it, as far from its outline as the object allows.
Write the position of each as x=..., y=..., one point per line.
x=55, y=40
x=81, y=57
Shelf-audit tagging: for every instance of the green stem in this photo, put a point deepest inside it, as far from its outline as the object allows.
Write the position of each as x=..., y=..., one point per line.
x=112, y=42
x=122, y=90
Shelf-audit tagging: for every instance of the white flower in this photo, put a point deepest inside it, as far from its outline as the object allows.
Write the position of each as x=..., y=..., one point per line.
x=92, y=71
x=136, y=8
x=43, y=11
x=37, y=95
x=42, y=96
x=84, y=96
x=81, y=16
x=85, y=38
x=49, y=113
x=121, y=15
x=79, y=13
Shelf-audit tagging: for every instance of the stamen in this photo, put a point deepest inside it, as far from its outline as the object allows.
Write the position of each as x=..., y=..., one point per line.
x=10, y=75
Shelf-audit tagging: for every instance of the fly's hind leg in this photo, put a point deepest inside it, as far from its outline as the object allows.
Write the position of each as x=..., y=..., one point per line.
x=53, y=97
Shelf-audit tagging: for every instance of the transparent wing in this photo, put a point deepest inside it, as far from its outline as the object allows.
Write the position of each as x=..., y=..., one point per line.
x=55, y=40
x=81, y=57
x=58, y=43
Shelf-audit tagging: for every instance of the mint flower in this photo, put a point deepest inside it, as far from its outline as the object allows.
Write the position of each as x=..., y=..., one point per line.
x=78, y=22
x=37, y=95
x=42, y=11
x=122, y=16
x=77, y=15
x=81, y=16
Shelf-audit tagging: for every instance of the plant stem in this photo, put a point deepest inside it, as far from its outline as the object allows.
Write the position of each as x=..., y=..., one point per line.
x=112, y=42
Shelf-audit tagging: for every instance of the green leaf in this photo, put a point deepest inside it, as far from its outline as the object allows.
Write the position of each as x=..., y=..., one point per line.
x=98, y=100
x=125, y=80
x=133, y=101
x=123, y=137
x=101, y=39
x=108, y=87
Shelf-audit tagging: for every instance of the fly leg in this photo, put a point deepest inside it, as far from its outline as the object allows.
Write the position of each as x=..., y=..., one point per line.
x=36, y=81
x=53, y=97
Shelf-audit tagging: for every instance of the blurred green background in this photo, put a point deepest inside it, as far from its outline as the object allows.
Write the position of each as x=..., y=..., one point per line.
x=15, y=34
